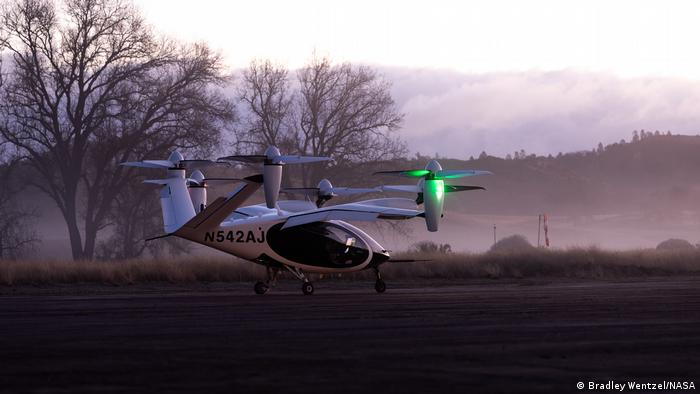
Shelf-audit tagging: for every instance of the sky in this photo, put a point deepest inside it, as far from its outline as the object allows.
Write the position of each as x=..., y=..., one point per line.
x=545, y=76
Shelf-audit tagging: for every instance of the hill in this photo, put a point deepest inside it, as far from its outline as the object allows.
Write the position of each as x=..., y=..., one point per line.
x=657, y=174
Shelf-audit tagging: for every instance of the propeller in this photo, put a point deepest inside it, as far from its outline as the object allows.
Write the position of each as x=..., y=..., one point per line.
x=197, y=179
x=273, y=156
x=439, y=174
x=325, y=191
x=176, y=165
x=273, y=161
x=175, y=161
x=197, y=186
x=431, y=188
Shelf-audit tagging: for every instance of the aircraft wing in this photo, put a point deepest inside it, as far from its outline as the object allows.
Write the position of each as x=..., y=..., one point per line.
x=351, y=212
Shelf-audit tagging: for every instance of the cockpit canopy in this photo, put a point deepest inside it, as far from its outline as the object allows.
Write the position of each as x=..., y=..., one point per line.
x=322, y=244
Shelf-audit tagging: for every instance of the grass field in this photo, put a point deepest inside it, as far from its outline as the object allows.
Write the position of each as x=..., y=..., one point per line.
x=584, y=263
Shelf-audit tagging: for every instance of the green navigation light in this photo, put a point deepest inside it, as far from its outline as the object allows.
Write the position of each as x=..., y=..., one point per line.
x=417, y=173
x=435, y=187
x=439, y=189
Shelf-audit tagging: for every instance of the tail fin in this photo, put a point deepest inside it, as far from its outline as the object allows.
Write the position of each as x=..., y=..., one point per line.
x=216, y=212
x=222, y=207
x=175, y=202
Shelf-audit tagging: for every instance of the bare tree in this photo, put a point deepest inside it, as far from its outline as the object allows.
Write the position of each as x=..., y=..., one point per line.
x=346, y=111
x=96, y=87
x=17, y=234
x=134, y=219
x=266, y=95
x=342, y=111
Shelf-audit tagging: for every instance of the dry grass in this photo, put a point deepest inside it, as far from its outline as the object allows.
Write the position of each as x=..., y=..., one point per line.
x=588, y=263
x=126, y=272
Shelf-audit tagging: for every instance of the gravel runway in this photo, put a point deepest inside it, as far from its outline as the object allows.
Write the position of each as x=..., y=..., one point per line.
x=449, y=337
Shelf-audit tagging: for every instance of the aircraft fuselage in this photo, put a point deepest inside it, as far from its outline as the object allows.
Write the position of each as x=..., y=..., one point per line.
x=322, y=247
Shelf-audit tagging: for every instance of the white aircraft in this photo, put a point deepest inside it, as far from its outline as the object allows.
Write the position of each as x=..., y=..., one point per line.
x=293, y=235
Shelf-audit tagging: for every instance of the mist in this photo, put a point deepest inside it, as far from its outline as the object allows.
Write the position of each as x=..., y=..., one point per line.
x=458, y=115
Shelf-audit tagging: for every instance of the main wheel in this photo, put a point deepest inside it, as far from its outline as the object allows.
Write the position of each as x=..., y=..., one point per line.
x=307, y=288
x=261, y=288
x=380, y=286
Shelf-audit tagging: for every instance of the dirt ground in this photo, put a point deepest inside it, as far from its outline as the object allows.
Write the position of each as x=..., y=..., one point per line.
x=479, y=336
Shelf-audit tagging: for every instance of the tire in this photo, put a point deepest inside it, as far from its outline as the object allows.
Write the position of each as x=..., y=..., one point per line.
x=380, y=286
x=261, y=288
x=307, y=288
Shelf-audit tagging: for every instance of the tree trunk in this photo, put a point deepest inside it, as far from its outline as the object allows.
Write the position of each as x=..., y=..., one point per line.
x=76, y=243
x=90, y=239
x=70, y=214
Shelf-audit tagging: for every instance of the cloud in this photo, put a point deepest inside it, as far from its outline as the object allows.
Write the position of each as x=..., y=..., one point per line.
x=458, y=115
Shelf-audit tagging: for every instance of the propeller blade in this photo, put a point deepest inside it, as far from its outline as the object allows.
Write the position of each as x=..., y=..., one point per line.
x=406, y=173
x=194, y=163
x=221, y=181
x=460, y=188
x=347, y=191
x=452, y=174
x=163, y=182
x=307, y=191
x=402, y=188
x=296, y=159
x=245, y=158
x=149, y=164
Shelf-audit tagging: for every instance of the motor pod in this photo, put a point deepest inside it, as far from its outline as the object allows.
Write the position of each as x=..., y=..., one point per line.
x=272, y=169
x=198, y=191
x=272, y=179
x=431, y=188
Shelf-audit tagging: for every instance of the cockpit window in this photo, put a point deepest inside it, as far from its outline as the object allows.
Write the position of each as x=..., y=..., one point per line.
x=322, y=244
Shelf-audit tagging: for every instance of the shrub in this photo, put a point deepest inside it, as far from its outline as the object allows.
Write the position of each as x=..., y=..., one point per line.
x=675, y=244
x=431, y=247
x=513, y=244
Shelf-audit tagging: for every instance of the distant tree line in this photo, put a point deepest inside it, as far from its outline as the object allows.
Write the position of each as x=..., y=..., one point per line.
x=637, y=136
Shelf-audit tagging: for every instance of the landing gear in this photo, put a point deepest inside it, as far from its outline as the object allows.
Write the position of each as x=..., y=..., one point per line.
x=379, y=285
x=263, y=287
x=306, y=287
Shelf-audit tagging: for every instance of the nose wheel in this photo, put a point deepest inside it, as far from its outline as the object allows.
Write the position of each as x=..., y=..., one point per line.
x=307, y=288
x=380, y=286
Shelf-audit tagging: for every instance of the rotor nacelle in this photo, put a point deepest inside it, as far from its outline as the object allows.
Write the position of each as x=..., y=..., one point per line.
x=325, y=191
x=431, y=188
x=273, y=161
x=181, y=198
x=198, y=190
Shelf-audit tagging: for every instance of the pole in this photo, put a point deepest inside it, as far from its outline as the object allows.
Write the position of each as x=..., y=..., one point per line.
x=539, y=226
